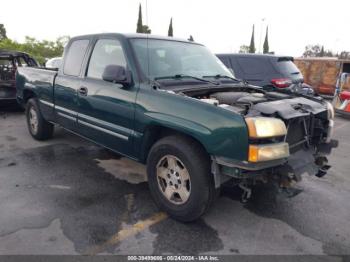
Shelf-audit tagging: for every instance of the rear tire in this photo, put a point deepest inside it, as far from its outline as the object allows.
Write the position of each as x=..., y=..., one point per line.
x=179, y=178
x=38, y=127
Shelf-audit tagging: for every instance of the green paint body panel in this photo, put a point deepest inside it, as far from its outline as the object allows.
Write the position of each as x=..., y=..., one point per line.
x=221, y=132
x=119, y=118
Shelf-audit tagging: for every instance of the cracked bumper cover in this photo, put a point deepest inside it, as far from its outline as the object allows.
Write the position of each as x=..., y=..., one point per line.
x=300, y=162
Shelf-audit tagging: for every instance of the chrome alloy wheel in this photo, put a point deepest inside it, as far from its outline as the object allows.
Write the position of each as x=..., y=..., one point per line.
x=173, y=179
x=33, y=120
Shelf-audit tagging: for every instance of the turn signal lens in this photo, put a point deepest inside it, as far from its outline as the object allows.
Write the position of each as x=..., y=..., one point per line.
x=253, y=153
x=265, y=127
x=260, y=153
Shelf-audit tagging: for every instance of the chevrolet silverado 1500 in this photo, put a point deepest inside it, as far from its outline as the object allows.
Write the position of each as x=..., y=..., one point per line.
x=172, y=105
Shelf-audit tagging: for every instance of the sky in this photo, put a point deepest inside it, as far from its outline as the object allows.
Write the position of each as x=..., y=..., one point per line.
x=222, y=25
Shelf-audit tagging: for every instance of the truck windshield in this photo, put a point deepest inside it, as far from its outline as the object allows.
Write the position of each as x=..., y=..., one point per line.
x=168, y=58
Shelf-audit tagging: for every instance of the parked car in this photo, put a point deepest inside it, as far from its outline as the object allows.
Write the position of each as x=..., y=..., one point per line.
x=172, y=105
x=9, y=62
x=54, y=62
x=268, y=71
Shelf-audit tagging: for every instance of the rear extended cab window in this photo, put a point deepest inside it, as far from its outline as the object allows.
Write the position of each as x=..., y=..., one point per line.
x=75, y=57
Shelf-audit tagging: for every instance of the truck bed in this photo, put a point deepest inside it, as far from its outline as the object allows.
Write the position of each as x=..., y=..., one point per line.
x=43, y=79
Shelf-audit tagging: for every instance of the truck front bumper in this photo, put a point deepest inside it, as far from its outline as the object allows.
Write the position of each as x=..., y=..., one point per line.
x=311, y=161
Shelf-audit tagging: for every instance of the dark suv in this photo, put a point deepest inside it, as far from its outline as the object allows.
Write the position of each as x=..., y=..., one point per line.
x=268, y=71
x=9, y=62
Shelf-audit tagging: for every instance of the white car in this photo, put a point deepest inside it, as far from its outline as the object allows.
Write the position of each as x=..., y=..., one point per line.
x=54, y=62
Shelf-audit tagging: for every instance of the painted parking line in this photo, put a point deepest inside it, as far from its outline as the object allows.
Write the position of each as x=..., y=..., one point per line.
x=128, y=232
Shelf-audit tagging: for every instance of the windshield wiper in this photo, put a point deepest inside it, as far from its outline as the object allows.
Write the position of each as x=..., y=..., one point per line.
x=218, y=76
x=182, y=76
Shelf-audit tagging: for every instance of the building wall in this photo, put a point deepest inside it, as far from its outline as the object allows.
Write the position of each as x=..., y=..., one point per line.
x=321, y=73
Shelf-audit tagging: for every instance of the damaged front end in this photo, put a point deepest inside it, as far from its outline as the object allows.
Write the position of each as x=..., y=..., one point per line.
x=287, y=138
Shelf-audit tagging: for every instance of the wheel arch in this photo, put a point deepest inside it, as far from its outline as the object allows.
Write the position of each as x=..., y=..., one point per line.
x=28, y=94
x=154, y=133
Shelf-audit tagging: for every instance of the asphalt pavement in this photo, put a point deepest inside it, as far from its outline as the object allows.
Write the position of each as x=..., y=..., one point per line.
x=69, y=196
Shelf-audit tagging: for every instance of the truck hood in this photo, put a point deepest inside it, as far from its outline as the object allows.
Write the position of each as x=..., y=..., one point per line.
x=290, y=108
x=253, y=101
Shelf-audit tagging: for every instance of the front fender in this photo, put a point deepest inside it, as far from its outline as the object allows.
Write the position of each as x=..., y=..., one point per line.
x=221, y=132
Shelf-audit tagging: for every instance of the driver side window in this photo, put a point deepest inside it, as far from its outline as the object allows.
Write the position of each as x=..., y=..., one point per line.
x=106, y=52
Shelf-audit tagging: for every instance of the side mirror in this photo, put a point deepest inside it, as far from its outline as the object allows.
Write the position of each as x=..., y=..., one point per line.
x=117, y=74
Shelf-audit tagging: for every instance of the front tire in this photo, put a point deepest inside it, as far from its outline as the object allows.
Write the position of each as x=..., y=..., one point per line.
x=38, y=127
x=179, y=178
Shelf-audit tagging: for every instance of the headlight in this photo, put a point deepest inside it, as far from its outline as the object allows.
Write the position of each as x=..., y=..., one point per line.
x=330, y=110
x=265, y=127
x=260, y=153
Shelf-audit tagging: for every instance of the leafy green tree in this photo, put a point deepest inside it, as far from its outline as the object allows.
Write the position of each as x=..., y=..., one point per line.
x=40, y=50
x=244, y=49
x=319, y=51
x=2, y=32
x=191, y=38
x=139, y=28
x=312, y=50
x=252, y=42
x=266, y=42
x=146, y=29
x=170, y=30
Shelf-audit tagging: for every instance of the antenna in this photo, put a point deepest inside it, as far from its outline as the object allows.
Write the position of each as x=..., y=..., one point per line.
x=147, y=12
x=147, y=40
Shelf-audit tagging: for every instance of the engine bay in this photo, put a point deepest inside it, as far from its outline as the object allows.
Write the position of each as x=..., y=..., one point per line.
x=251, y=101
x=306, y=116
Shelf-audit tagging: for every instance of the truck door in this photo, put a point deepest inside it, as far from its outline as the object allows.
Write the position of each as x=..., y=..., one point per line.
x=67, y=84
x=106, y=110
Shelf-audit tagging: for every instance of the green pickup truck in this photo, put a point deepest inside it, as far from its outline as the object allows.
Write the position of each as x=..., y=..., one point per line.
x=172, y=105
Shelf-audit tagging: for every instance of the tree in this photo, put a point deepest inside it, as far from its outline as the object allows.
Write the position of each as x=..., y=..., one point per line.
x=146, y=29
x=252, y=42
x=344, y=55
x=2, y=32
x=40, y=50
x=266, y=42
x=191, y=38
x=318, y=51
x=322, y=53
x=170, y=30
x=139, y=28
x=244, y=49
x=312, y=51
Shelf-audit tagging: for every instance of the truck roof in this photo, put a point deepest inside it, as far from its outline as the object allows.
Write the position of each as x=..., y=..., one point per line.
x=137, y=35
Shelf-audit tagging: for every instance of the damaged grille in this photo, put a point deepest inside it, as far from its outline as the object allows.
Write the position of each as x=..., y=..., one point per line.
x=298, y=133
x=304, y=132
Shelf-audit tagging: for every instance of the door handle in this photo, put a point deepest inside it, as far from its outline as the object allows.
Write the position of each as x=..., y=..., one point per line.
x=83, y=91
